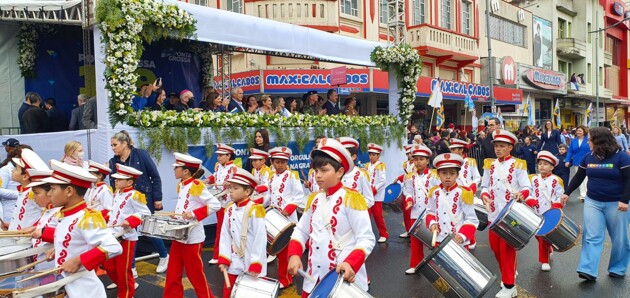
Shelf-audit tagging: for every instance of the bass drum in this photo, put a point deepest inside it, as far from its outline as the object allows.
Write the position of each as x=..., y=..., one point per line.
x=560, y=230
x=482, y=214
x=516, y=224
x=333, y=285
x=420, y=231
x=279, y=229
x=248, y=286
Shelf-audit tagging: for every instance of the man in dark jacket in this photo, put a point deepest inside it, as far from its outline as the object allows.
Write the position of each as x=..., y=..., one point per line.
x=332, y=104
x=57, y=118
x=35, y=118
x=527, y=152
x=25, y=105
x=76, y=120
x=487, y=147
x=442, y=145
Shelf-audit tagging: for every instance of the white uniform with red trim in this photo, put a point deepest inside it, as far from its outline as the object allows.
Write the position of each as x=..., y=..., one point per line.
x=408, y=166
x=254, y=254
x=194, y=197
x=264, y=176
x=221, y=174
x=48, y=218
x=26, y=212
x=501, y=179
x=416, y=190
x=359, y=180
x=100, y=197
x=469, y=174
x=546, y=192
x=345, y=212
x=285, y=192
x=311, y=180
x=129, y=205
x=377, y=179
x=452, y=209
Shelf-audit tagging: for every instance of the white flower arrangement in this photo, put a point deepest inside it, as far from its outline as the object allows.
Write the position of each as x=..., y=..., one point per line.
x=407, y=64
x=27, y=44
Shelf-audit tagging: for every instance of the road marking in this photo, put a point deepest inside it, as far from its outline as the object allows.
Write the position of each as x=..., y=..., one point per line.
x=148, y=270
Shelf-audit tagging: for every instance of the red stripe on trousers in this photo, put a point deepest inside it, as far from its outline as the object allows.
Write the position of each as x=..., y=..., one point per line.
x=119, y=270
x=186, y=257
x=217, y=237
x=377, y=213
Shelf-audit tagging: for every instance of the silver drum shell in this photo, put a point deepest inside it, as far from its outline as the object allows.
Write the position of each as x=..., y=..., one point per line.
x=518, y=224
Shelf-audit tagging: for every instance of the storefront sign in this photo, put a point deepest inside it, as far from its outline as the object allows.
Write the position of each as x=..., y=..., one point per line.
x=338, y=76
x=508, y=95
x=304, y=80
x=249, y=81
x=508, y=71
x=545, y=79
x=453, y=89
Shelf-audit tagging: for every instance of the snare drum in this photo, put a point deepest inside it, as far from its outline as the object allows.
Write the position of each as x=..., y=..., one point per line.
x=420, y=231
x=9, y=286
x=516, y=224
x=482, y=214
x=14, y=257
x=14, y=241
x=279, y=230
x=560, y=230
x=164, y=227
x=248, y=286
x=454, y=272
x=333, y=285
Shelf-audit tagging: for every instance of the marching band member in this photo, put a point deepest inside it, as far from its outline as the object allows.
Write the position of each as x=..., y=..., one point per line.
x=194, y=203
x=335, y=224
x=310, y=183
x=223, y=170
x=260, y=170
x=504, y=178
x=418, y=183
x=40, y=196
x=357, y=179
x=127, y=210
x=80, y=236
x=450, y=210
x=100, y=196
x=376, y=170
x=26, y=213
x=243, y=237
x=285, y=194
x=546, y=192
x=408, y=166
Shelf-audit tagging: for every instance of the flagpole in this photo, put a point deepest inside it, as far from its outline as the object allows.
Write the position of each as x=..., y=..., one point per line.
x=431, y=123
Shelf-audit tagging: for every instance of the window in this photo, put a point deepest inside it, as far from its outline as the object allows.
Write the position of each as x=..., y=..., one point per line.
x=588, y=73
x=234, y=6
x=588, y=29
x=446, y=14
x=349, y=7
x=383, y=13
x=565, y=67
x=562, y=28
x=200, y=2
x=418, y=11
x=507, y=31
x=465, y=17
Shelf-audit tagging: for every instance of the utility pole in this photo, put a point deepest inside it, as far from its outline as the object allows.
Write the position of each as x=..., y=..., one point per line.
x=491, y=63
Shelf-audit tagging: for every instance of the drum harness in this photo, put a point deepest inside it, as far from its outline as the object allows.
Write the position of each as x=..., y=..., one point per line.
x=240, y=251
x=338, y=244
x=544, y=188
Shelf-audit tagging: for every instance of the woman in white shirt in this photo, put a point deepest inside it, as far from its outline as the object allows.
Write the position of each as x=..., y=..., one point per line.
x=278, y=106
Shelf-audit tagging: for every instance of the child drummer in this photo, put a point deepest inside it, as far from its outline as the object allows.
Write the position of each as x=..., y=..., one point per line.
x=260, y=170
x=81, y=239
x=194, y=203
x=243, y=237
x=546, y=192
x=504, y=178
x=26, y=213
x=311, y=184
x=42, y=199
x=450, y=210
x=357, y=179
x=100, y=196
x=350, y=232
x=376, y=170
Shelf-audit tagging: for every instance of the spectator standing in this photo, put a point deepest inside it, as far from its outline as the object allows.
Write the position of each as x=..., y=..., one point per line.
x=527, y=152
x=577, y=150
x=278, y=105
x=25, y=105
x=332, y=104
x=76, y=119
x=294, y=105
x=58, y=119
x=562, y=170
x=413, y=132
x=35, y=118
x=261, y=142
x=350, y=107
x=73, y=155
x=146, y=96
x=311, y=107
x=487, y=147
x=173, y=99
x=213, y=103
x=549, y=139
x=442, y=146
x=236, y=102
x=89, y=113
x=252, y=104
x=8, y=188
x=621, y=139
x=159, y=100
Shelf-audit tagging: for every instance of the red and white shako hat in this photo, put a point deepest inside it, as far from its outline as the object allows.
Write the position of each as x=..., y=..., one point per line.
x=337, y=151
x=125, y=172
x=407, y=148
x=281, y=152
x=185, y=160
x=225, y=149
x=68, y=174
x=457, y=143
x=244, y=177
x=97, y=167
x=258, y=154
x=37, y=176
x=348, y=142
x=548, y=157
x=501, y=135
x=373, y=148
x=448, y=160
x=421, y=150
x=30, y=160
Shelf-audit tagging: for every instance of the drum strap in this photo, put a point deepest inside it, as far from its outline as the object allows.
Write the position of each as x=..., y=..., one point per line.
x=450, y=214
x=240, y=251
x=341, y=243
x=501, y=173
x=543, y=188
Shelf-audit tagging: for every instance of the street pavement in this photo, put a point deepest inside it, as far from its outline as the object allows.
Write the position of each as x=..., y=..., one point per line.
x=387, y=263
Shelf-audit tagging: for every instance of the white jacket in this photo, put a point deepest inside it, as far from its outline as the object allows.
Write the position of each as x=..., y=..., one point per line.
x=416, y=190
x=359, y=180
x=453, y=211
x=193, y=196
x=501, y=180
x=377, y=179
x=129, y=205
x=285, y=192
x=26, y=212
x=100, y=197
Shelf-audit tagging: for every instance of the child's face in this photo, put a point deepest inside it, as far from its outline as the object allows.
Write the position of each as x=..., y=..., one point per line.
x=258, y=163
x=238, y=192
x=223, y=158
x=374, y=157
x=280, y=164
x=17, y=176
x=562, y=150
x=448, y=176
x=178, y=171
x=544, y=167
x=123, y=183
x=59, y=196
x=502, y=149
x=420, y=162
x=458, y=151
x=326, y=176
x=41, y=197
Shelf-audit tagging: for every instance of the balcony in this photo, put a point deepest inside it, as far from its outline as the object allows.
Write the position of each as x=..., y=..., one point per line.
x=317, y=14
x=607, y=58
x=442, y=43
x=571, y=48
x=566, y=6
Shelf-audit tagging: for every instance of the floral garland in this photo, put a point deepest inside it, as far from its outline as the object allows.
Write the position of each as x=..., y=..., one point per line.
x=207, y=67
x=407, y=64
x=126, y=24
x=27, y=46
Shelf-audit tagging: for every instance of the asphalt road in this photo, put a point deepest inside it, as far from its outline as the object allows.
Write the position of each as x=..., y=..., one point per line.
x=387, y=263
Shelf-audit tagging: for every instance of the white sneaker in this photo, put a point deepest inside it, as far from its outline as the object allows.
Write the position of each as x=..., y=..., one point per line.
x=410, y=271
x=112, y=286
x=213, y=262
x=582, y=199
x=270, y=259
x=135, y=286
x=507, y=293
x=162, y=265
x=404, y=235
x=545, y=267
x=472, y=246
x=382, y=240
x=134, y=272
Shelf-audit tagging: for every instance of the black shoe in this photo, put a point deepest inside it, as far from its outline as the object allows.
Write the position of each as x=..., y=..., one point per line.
x=588, y=277
x=615, y=275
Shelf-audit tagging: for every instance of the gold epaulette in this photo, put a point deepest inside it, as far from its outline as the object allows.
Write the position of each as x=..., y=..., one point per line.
x=381, y=166
x=354, y=200
x=31, y=194
x=367, y=175
x=0, y=182
x=295, y=174
x=92, y=219
x=257, y=210
x=520, y=164
x=433, y=189
x=434, y=173
x=216, y=166
x=140, y=197
x=179, y=185
x=472, y=162
x=196, y=188
x=229, y=205
x=408, y=176
x=531, y=176
x=487, y=163
x=310, y=199
x=111, y=190
x=468, y=197
x=559, y=179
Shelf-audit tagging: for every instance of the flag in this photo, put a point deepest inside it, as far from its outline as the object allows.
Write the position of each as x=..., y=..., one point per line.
x=468, y=103
x=615, y=119
x=587, y=115
x=529, y=110
x=439, y=121
x=556, y=113
x=435, y=100
x=500, y=117
x=475, y=121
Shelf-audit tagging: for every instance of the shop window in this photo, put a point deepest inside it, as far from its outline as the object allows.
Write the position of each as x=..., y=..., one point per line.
x=507, y=31
x=419, y=7
x=200, y=2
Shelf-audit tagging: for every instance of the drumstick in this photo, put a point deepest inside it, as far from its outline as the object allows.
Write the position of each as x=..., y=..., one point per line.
x=1, y=225
x=168, y=213
x=434, y=240
x=306, y=275
x=27, y=266
x=116, y=225
x=40, y=274
x=15, y=232
x=227, y=279
x=15, y=236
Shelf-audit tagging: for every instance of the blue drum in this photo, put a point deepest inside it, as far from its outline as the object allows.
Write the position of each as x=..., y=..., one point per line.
x=333, y=285
x=516, y=224
x=392, y=192
x=560, y=230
